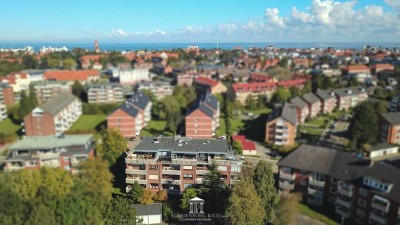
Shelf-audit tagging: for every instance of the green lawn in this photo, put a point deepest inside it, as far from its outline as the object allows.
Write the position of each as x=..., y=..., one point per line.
x=87, y=123
x=311, y=130
x=236, y=124
x=260, y=111
x=307, y=211
x=155, y=128
x=8, y=127
x=221, y=130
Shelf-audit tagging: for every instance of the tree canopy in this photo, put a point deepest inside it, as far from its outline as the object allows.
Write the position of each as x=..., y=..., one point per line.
x=110, y=145
x=363, y=127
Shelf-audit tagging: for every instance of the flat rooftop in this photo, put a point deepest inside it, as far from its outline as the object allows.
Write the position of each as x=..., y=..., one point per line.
x=181, y=144
x=50, y=142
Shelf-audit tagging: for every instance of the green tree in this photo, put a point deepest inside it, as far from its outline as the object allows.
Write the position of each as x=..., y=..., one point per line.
x=69, y=63
x=237, y=147
x=41, y=214
x=120, y=212
x=316, y=82
x=326, y=83
x=170, y=110
x=250, y=103
x=188, y=194
x=110, y=145
x=307, y=87
x=281, y=95
x=363, y=127
x=262, y=101
x=137, y=192
x=244, y=205
x=264, y=184
x=12, y=207
x=280, y=73
x=380, y=107
x=78, y=89
x=147, y=197
x=294, y=91
x=284, y=63
x=53, y=63
x=25, y=105
x=32, y=97
x=29, y=62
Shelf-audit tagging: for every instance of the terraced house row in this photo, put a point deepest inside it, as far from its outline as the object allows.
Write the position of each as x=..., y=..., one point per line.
x=177, y=163
x=361, y=189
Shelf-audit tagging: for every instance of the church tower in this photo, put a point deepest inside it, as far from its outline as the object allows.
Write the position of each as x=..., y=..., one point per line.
x=96, y=46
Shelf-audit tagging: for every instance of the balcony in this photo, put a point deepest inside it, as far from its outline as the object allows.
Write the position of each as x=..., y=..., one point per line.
x=184, y=161
x=346, y=213
x=345, y=189
x=202, y=171
x=132, y=180
x=169, y=181
x=344, y=202
x=199, y=181
x=287, y=176
x=316, y=202
x=376, y=218
x=380, y=204
x=135, y=171
x=171, y=171
x=315, y=191
x=312, y=181
x=286, y=185
x=141, y=158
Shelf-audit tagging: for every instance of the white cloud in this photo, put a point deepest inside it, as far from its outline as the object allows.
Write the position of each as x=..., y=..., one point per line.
x=393, y=3
x=301, y=16
x=119, y=33
x=272, y=18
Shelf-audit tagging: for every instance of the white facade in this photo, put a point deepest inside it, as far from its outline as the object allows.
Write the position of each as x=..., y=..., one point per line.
x=159, y=89
x=131, y=76
x=21, y=82
x=105, y=94
x=3, y=111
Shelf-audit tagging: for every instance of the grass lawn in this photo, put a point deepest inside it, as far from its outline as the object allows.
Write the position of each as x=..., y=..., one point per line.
x=261, y=111
x=221, y=130
x=8, y=127
x=236, y=124
x=311, y=130
x=319, y=121
x=88, y=123
x=155, y=128
x=307, y=211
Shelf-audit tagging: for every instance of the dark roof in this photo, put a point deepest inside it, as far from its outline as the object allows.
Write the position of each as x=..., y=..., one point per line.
x=140, y=100
x=206, y=103
x=287, y=112
x=298, y=102
x=151, y=209
x=380, y=147
x=211, y=101
x=182, y=144
x=344, y=166
x=128, y=108
x=205, y=109
x=58, y=103
x=392, y=118
x=311, y=98
x=324, y=95
x=349, y=91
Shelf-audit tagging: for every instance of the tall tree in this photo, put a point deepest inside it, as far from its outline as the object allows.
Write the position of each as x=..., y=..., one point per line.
x=188, y=194
x=237, y=147
x=78, y=89
x=363, y=127
x=120, y=212
x=170, y=110
x=147, y=197
x=137, y=192
x=69, y=63
x=32, y=97
x=264, y=185
x=110, y=145
x=25, y=105
x=281, y=95
x=29, y=62
x=294, y=91
x=250, y=103
x=244, y=205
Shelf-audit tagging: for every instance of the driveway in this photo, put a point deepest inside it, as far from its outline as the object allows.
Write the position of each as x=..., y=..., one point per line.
x=305, y=220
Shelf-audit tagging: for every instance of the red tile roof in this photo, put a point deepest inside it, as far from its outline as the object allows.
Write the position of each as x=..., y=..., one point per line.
x=70, y=75
x=289, y=83
x=208, y=81
x=260, y=78
x=88, y=58
x=253, y=86
x=246, y=145
x=383, y=66
x=12, y=77
x=357, y=67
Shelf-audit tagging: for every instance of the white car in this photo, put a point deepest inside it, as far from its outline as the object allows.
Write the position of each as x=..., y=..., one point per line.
x=222, y=137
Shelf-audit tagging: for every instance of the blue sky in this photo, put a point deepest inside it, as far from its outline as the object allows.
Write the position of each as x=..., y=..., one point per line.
x=202, y=21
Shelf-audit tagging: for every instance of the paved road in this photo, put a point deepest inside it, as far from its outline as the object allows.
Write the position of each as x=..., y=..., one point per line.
x=305, y=220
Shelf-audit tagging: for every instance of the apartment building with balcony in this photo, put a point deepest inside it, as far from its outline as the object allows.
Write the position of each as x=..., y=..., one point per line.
x=314, y=104
x=132, y=116
x=133, y=76
x=177, y=163
x=160, y=89
x=362, y=190
x=328, y=101
x=3, y=111
x=105, y=93
x=242, y=90
x=19, y=81
x=63, y=151
x=394, y=105
x=202, y=118
x=389, y=124
x=6, y=94
x=302, y=110
x=281, y=126
x=350, y=97
x=204, y=85
x=54, y=116
x=46, y=90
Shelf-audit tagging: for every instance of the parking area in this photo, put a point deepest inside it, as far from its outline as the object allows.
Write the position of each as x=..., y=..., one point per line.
x=336, y=135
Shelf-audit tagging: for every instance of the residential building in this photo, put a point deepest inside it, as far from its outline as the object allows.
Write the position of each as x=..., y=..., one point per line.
x=314, y=104
x=91, y=62
x=301, y=62
x=302, y=110
x=18, y=81
x=150, y=213
x=248, y=147
x=46, y=90
x=350, y=97
x=242, y=90
x=394, y=105
x=133, y=76
x=6, y=94
x=281, y=126
x=389, y=124
x=204, y=85
x=132, y=116
x=328, y=101
x=54, y=116
x=202, y=118
x=299, y=83
x=380, y=67
x=83, y=76
x=160, y=89
x=63, y=151
x=358, y=69
x=361, y=190
x=3, y=111
x=177, y=163
x=105, y=93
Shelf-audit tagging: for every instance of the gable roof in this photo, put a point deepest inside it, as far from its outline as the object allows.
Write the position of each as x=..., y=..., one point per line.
x=55, y=105
x=128, y=108
x=310, y=98
x=210, y=100
x=287, y=112
x=70, y=75
x=250, y=87
x=148, y=210
x=140, y=100
x=325, y=95
x=204, y=80
x=298, y=102
x=392, y=118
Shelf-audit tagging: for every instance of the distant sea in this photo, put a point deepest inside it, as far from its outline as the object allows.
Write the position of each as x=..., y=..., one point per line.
x=169, y=46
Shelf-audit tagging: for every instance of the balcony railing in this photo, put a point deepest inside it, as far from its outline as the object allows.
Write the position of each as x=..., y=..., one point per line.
x=312, y=181
x=199, y=181
x=374, y=217
x=286, y=185
x=135, y=171
x=171, y=171
x=346, y=213
x=139, y=159
x=169, y=181
x=380, y=204
x=132, y=180
x=344, y=202
x=287, y=175
x=348, y=193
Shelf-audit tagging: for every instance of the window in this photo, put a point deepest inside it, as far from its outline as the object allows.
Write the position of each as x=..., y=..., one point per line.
x=332, y=190
x=31, y=163
x=304, y=173
x=187, y=176
x=303, y=182
x=333, y=180
x=222, y=168
x=188, y=167
x=66, y=159
x=360, y=213
x=331, y=200
x=187, y=185
x=153, y=167
x=363, y=192
x=153, y=177
x=362, y=202
x=236, y=168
